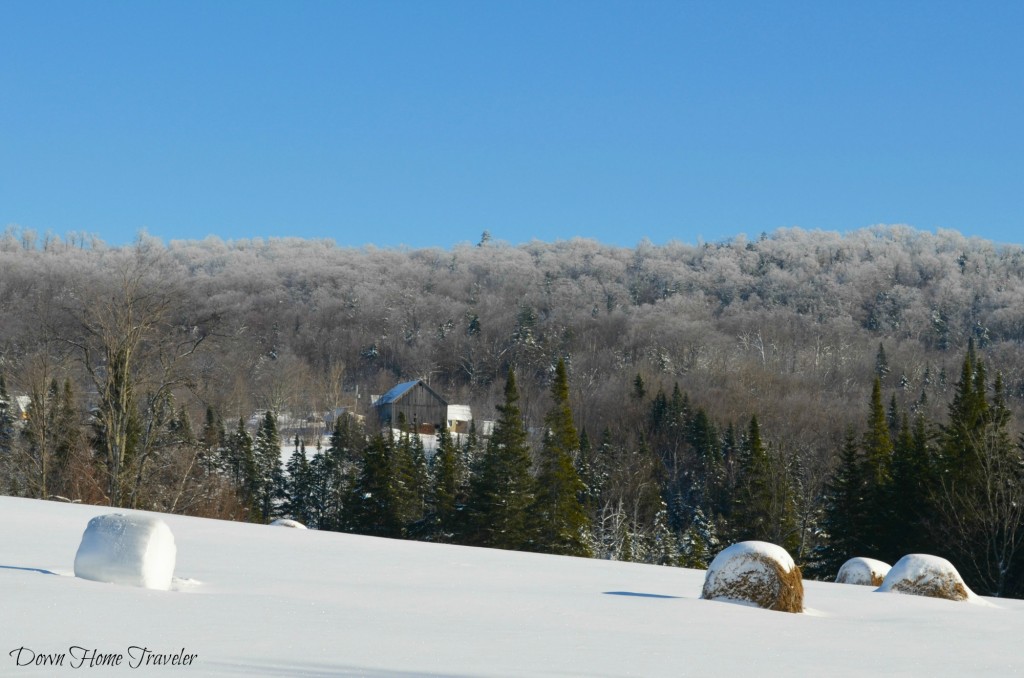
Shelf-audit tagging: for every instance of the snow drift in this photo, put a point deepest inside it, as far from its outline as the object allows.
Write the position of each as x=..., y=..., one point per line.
x=133, y=550
x=288, y=522
x=755, y=572
x=920, y=574
x=863, y=572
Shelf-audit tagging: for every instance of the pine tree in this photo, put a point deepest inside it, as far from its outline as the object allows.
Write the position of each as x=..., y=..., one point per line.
x=663, y=545
x=699, y=543
x=240, y=465
x=213, y=439
x=911, y=490
x=299, y=485
x=563, y=522
x=449, y=490
x=6, y=419
x=269, y=489
x=877, y=441
x=881, y=363
x=408, y=475
x=765, y=502
x=845, y=507
x=373, y=506
x=750, y=513
x=968, y=413
x=503, y=490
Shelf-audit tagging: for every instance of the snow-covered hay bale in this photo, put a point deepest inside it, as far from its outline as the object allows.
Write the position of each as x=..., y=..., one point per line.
x=919, y=574
x=288, y=522
x=132, y=550
x=863, y=571
x=756, y=572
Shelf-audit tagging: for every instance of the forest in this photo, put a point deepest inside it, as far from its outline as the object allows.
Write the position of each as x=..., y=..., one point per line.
x=840, y=395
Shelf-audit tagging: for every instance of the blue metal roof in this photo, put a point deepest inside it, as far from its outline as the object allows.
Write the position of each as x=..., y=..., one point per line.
x=396, y=392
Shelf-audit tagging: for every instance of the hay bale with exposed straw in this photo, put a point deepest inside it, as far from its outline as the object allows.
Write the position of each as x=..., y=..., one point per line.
x=863, y=572
x=758, y=573
x=919, y=574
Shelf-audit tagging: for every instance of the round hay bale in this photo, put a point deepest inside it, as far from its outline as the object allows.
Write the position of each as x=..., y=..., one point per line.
x=863, y=572
x=758, y=573
x=288, y=522
x=131, y=550
x=919, y=574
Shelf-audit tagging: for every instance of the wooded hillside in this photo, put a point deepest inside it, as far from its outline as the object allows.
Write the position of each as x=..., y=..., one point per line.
x=124, y=351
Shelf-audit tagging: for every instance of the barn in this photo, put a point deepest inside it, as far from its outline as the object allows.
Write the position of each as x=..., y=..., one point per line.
x=416, y=403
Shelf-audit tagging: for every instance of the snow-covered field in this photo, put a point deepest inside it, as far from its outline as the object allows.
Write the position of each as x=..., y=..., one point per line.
x=251, y=600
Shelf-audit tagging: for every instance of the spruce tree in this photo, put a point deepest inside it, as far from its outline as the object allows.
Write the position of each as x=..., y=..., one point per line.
x=6, y=419
x=504, y=490
x=449, y=490
x=845, y=506
x=373, y=509
x=563, y=523
x=911, y=491
x=269, y=474
x=299, y=485
x=240, y=464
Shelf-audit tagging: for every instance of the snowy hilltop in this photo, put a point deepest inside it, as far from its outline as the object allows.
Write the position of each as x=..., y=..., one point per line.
x=257, y=600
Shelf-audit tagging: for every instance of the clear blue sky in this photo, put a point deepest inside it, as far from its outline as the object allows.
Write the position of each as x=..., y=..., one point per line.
x=424, y=123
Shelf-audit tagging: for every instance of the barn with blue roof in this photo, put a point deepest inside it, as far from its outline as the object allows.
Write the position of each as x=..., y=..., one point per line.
x=415, y=403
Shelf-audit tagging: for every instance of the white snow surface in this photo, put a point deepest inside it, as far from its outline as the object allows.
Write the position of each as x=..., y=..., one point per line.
x=921, y=567
x=861, y=571
x=729, y=558
x=249, y=601
x=288, y=522
x=131, y=550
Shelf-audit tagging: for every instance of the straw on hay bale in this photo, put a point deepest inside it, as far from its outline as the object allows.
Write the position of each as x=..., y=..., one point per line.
x=755, y=572
x=919, y=574
x=863, y=572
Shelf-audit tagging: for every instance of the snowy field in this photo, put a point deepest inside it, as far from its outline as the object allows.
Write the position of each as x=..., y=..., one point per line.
x=251, y=600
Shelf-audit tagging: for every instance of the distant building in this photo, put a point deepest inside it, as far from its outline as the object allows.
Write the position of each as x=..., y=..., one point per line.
x=416, y=403
x=22, y=404
x=459, y=418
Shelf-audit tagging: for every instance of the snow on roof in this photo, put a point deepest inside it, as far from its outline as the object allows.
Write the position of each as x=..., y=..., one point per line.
x=396, y=392
x=460, y=413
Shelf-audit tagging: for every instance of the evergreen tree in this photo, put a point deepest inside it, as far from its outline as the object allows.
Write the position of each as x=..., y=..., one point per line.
x=409, y=483
x=503, y=490
x=877, y=479
x=881, y=363
x=911, y=491
x=449, y=490
x=373, y=505
x=765, y=505
x=699, y=543
x=299, y=485
x=240, y=465
x=663, y=545
x=213, y=439
x=877, y=441
x=845, y=506
x=6, y=419
x=269, y=489
x=563, y=522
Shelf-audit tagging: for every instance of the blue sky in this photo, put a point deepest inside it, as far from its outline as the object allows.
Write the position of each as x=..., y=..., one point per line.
x=425, y=123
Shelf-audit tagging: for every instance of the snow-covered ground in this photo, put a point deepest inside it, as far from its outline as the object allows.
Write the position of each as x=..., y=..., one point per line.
x=251, y=600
